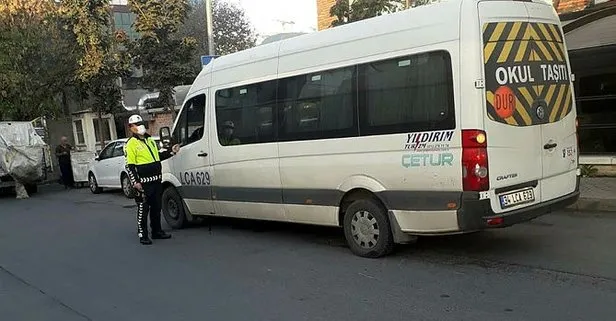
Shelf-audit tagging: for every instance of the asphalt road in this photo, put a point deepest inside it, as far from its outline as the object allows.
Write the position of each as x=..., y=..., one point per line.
x=74, y=256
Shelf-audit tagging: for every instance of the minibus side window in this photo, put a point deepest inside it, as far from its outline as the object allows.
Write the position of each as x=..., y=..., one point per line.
x=319, y=105
x=245, y=114
x=405, y=94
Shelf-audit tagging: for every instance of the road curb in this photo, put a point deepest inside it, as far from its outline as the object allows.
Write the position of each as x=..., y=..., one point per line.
x=594, y=205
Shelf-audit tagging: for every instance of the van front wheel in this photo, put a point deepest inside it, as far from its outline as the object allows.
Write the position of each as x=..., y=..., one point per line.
x=367, y=230
x=173, y=209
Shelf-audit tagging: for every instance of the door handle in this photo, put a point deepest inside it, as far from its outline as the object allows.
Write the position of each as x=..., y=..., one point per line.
x=202, y=154
x=550, y=146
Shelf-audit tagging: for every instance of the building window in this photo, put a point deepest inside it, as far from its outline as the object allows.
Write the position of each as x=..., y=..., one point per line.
x=245, y=114
x=597, y=116
x=406, y=94
x=318, y=105
x=79, y=136
x=104, y=125
x=124, y=21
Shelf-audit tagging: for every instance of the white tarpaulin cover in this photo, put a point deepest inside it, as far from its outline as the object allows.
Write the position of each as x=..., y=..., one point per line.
x=22, y=152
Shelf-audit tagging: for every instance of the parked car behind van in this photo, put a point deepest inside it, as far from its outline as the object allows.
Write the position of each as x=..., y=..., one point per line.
x=108, y=169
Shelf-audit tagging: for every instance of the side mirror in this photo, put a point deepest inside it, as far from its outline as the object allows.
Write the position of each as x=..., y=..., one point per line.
x=165, y=136
x=96, y=158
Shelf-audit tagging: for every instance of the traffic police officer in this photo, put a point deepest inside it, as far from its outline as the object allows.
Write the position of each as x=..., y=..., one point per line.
x=145, y=172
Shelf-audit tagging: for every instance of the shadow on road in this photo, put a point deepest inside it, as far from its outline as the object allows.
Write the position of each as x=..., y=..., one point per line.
x=479, y=243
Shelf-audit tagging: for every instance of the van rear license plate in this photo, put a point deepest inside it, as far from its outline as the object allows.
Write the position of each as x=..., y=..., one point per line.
x=517, y=198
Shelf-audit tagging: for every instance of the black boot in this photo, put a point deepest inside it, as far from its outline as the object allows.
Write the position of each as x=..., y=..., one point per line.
x=145, y=240
x=161, y=235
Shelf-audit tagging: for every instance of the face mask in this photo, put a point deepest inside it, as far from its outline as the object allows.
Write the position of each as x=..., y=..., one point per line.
x=141, y=130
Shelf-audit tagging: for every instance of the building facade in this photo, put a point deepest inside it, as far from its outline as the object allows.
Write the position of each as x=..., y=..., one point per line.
x=324, y=19
x=133, y=95
x=590, y=33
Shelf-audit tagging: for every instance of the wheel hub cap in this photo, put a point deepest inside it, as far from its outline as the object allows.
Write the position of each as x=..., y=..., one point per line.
x=126, y=186
x=365, y=229
x=173, y=209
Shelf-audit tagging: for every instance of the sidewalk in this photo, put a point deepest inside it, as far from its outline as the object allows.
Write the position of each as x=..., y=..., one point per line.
x=597, y=194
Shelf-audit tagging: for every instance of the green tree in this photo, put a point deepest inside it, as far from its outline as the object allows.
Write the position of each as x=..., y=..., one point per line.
x=103, y=56
x=37, y=59
x=161, y=50
x=232, y=29
x=363, y=9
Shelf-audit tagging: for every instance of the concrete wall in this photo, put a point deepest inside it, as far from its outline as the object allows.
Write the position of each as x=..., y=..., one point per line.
x=159, y=121
x=598, y=33
x=155, y=122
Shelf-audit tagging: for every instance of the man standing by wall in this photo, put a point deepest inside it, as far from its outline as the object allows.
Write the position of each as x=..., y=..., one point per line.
x=145, y=172
x=63, y=153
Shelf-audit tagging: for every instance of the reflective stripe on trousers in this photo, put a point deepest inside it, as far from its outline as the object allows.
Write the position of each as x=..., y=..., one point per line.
x=149, y=201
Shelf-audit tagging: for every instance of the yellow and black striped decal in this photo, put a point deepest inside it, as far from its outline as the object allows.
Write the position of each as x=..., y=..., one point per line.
x=527, y=79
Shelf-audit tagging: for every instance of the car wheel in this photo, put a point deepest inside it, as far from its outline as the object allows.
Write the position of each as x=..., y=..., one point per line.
x=367, y=230
x=127, y=189
x=93, y=184
x=173, y=209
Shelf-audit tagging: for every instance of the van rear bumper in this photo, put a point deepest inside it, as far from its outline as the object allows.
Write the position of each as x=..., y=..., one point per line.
x=474, y=214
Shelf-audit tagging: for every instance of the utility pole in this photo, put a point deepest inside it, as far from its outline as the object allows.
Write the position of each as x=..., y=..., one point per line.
x=210, y=27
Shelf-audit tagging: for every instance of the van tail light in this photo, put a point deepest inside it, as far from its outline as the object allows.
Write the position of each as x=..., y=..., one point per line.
x=475, y=176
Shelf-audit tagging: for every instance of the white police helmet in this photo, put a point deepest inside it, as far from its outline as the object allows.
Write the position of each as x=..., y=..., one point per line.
x=135, y=119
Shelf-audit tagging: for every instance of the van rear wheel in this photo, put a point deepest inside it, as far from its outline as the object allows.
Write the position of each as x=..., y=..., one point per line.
x=367, y=230
x=173, y=209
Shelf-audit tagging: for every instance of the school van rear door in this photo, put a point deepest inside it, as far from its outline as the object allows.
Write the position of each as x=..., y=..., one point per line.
x=530, y=119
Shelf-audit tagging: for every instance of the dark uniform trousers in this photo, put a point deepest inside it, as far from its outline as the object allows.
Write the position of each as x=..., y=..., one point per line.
x=149, y=201
x=143, y=164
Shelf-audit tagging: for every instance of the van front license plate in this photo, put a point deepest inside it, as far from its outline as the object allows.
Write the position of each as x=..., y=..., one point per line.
x=517, y=198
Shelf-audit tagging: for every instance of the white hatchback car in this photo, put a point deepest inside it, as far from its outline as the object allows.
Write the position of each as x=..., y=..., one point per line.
x=108, y=169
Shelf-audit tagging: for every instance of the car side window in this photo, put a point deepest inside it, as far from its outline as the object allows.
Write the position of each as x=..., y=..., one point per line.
x=191, y=122
x=107, y=152
x=118, y=150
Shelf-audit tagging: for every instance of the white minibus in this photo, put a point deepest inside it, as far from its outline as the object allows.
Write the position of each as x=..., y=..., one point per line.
x=449, y=118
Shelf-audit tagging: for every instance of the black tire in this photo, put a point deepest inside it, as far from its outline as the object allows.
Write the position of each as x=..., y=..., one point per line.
x=127, y=189
x=93, y=184
x=367, y=229
x=173, y=209
x=31, y=189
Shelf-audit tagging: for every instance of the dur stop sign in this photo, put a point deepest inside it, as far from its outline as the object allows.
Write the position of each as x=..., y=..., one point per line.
x=504, y=102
